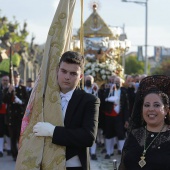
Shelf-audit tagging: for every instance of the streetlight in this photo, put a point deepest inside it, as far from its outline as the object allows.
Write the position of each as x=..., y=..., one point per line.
x=146, y=29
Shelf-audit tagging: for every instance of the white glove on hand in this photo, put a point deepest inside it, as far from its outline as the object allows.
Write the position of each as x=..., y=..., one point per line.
x=106, y=99
x=111, y=99
x=17, y=100
x=43, y=129
x=117, y=108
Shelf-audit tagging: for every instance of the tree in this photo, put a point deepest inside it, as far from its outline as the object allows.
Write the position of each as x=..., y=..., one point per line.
x=133, y=66
x=12, y=30
x=163, y=69
x=12, y=35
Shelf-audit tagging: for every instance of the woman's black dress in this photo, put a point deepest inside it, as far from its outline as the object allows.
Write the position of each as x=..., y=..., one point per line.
x=157, y=156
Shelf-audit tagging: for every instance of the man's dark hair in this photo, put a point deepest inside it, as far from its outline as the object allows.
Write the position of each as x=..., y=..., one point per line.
x=72, y=57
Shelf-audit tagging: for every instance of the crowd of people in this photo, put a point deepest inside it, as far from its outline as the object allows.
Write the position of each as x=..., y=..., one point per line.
x=13, y=101
x=116, y=103
x=133, y=116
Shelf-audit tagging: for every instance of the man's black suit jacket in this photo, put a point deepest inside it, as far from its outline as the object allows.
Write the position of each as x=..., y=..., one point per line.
x=15, y=112
x=80, y=126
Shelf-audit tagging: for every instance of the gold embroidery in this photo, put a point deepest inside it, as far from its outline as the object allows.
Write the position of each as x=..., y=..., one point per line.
x=35, y=152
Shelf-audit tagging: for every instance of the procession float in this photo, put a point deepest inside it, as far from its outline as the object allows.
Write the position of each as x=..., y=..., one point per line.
x=103, y=47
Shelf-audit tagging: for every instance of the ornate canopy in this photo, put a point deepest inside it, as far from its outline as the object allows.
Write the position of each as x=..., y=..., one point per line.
x=95, y=26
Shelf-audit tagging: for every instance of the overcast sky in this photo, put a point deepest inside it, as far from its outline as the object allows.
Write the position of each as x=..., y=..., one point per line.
x=39, y=15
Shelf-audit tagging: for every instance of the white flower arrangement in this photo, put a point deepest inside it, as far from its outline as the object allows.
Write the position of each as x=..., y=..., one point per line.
x=97, y=69
x=103, y=71
x=104, y=77
x=88, y=71
x=93, y=74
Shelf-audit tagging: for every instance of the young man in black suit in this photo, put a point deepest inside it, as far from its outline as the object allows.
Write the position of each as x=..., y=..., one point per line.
x=80, y=114
x=15, y=96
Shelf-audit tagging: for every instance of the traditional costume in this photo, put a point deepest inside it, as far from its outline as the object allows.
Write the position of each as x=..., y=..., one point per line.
x=143, y=149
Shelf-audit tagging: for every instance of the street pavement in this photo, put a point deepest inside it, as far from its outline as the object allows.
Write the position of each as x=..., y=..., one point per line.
x=7, y=163
x=104, y=164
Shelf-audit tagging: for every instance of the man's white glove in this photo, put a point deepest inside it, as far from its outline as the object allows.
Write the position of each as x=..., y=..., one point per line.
x=111, y=99
x=106, y=99
x=17, y=100
x=43, y=129
x=117, y=108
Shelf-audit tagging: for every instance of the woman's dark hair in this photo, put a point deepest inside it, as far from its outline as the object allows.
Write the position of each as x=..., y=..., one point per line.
x=72, y=57
x=136, y=120
x=159, y=84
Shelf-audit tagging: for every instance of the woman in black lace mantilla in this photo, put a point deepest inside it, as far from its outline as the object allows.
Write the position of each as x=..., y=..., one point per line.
x=147, y=146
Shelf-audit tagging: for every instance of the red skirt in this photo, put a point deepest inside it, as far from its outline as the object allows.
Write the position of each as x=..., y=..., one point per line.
x=112, y=113
x=3, y=108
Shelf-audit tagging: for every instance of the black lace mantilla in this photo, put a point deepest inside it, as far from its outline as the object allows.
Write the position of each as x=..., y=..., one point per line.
x=139, y=134
x=157, y=155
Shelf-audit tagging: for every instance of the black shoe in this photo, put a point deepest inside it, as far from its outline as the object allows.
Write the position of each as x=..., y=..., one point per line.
x=14, y=159
x=115, y=146
x=8, y=152
x=99, y=145
x=119, y=152
x=103, y=151
x=107, y=156
x=112, y=154
x=94, y=157
x=102, y=145
x=1, y=154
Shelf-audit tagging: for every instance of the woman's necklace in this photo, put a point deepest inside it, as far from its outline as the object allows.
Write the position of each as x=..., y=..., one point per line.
x=142, y=161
